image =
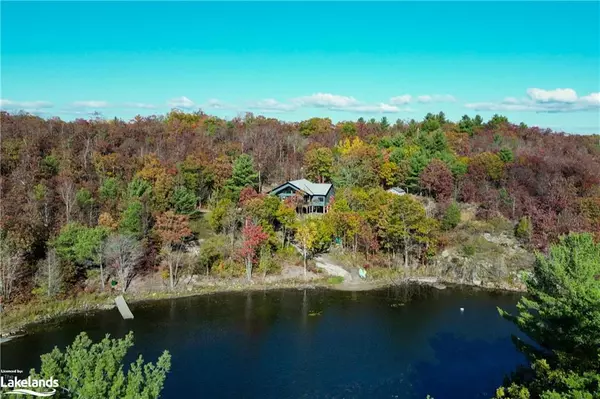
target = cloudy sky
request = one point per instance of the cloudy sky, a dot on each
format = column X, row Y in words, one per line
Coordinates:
column 535, row 62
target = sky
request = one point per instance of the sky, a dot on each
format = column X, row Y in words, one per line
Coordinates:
column 535, row 62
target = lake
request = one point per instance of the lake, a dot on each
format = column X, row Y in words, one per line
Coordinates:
column 389, row 343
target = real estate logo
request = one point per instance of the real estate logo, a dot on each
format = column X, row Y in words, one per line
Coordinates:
column 20, row 386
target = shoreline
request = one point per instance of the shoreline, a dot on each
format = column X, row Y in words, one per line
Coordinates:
column 105, row 301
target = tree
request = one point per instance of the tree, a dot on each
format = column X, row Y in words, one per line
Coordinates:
column 11, row 263
column 254, row 237
column 224, row 218
column 131, row 219
column 305, row 234
column 123, row 253
column 286, row 216
column 315, row 126
column 506, row 155
column 49, row 275
column 85, row 202
column 357, row 165
column 406, row 227
column 384, row 124
column 313, row 234
column 561, row 314
column 486, row 165
column 451, row 217
column 184, row 200
column 66, row 190
column 389, row 173
column 172, row 229
column 213, row 250
column 437, row 179
column 243, row 175
column 318, row 164
column 96, row 370
column 81, row 246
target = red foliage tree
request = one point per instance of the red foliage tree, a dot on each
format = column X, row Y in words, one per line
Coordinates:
column 247, row 194
column 254, row 238
column 437, row 179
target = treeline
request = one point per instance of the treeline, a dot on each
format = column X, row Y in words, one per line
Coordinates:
column 91, row 193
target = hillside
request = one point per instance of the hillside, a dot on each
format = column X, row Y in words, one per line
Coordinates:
column 99, row 179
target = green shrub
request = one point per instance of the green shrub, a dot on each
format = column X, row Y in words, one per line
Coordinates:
column 335, row 280
column 451, row 217
column 212, row 251
column 228, row 268
column 468, row 249
column 524, row 229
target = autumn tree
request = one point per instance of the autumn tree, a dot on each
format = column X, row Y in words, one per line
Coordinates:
column 253, row 238
column 407, row 228
column 318, row 164
column 172, row 229
column 389, row 174
column 437, row 179
column 313, row 235
column 286, row 217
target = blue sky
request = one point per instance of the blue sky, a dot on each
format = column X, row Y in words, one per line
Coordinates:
column 537, row 62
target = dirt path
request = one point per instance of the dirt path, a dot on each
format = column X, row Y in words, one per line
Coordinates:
column 352, row 281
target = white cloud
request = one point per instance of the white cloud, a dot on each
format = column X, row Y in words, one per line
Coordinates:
column 181, row 102
column 592, row 98
column 436, row 98
column 326, row 100
column 401, row 100
column 9, row 104
column 139, row 105
column 218, row 104
column 336, row 102
column 556, row 95
column 90, row 104
column 544, row 101
column 380, row 108
column 272, row 105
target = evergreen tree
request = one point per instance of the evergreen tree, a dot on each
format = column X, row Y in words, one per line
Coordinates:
column 96, row 370
column 243, row 175
column 183, row 200
column 451, row 217
column 561, row 314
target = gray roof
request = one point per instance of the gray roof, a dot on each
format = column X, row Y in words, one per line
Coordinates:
column 396, row 190
column 310, row 187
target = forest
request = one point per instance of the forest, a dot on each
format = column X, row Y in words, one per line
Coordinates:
column 107, row 200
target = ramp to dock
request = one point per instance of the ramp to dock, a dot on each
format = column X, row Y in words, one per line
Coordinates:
column 123, row 308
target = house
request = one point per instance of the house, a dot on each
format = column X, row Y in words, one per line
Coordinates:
column 314, row 197
column 396, row 191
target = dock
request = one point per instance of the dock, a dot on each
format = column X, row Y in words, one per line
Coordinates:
column 123, row 308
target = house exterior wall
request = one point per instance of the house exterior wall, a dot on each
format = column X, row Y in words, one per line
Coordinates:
column 330, row 194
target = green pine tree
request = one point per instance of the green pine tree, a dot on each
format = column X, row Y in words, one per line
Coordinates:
column 96, row 370
column 243, row 175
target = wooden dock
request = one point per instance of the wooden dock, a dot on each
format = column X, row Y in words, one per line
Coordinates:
column 123, row 308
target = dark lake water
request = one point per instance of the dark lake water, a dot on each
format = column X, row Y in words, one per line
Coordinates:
column 390, row 343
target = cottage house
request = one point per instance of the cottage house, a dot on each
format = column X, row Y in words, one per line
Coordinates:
column 315, row 197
